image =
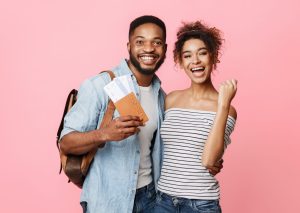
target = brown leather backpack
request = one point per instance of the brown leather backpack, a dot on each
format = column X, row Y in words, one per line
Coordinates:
column 76, row 166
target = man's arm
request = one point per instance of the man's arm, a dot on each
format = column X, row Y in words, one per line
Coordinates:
column 82, row 142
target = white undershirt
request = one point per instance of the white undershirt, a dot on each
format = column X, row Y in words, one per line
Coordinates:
column 146, row 134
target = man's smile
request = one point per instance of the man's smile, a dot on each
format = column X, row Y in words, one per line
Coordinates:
column 148, row 59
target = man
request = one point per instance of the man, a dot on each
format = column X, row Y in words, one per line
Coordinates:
column 123, row 173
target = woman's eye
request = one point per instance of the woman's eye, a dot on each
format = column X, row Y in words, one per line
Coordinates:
column 186, row 56
column 203, row 53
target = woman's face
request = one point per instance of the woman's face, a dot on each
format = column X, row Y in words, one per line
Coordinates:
column 195, row 60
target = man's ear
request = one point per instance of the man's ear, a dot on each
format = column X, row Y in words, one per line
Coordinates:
column 165, row 50
column 128, row 46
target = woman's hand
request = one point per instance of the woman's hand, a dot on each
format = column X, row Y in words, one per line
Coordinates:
column 227, row 92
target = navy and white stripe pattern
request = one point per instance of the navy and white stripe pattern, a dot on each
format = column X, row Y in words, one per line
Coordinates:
column 184, row 132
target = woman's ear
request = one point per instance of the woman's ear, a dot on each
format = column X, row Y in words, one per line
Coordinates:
column 179, row 63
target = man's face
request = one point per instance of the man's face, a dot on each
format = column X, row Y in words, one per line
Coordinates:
column 147, row 48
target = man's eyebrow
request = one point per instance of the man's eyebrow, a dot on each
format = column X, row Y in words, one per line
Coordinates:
column 159, row 38
column 138, row 37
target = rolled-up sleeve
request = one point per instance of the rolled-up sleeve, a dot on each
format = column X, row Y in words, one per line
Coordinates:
column 84, row 115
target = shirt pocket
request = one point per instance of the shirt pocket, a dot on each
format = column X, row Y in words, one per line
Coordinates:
column 118, row 144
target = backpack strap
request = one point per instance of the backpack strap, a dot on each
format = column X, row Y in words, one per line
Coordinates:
column 72, row 98
column 110, row 106
column 88, row 158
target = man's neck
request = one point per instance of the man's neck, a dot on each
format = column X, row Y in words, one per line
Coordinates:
column 143, row 80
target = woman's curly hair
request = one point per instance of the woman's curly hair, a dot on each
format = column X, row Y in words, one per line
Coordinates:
column 211, row 37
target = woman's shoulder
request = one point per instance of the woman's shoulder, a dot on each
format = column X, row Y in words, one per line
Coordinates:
column 174, row 94
column 173, row 97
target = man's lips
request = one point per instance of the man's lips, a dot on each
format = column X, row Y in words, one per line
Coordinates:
column 148, row 59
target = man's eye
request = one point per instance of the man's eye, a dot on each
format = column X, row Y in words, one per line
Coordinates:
column 157, row 43
column 139, row 42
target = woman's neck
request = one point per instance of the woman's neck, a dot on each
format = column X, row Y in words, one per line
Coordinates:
column 204, row 90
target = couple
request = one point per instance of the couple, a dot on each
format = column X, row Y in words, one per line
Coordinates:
column 167, row 164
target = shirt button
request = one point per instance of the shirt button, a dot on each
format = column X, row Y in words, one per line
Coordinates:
column 135, row 172
column 133, row 191
column 137, row 94
column 138, row 151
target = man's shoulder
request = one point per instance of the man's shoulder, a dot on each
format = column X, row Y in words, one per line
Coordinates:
column 99, row 79
column 103, row 74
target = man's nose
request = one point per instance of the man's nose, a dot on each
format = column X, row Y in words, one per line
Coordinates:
column 148, row 47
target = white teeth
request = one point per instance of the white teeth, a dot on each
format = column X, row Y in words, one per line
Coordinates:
column 198, row 69
column 147, row 58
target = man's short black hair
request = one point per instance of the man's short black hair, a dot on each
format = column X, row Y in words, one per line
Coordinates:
column 147, row 19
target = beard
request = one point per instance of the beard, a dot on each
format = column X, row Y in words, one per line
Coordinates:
column 143, row 71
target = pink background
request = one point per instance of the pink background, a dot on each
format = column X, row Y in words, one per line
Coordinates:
column 49, row 47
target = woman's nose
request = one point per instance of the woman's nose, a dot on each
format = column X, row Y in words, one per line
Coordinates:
column 196, row 60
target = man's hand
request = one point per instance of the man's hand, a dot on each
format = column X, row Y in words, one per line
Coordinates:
column 216, row 168
column 121, row 128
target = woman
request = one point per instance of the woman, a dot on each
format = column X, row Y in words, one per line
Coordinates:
column 198, row 123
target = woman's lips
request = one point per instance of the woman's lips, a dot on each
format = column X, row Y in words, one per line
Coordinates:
column 198, row 71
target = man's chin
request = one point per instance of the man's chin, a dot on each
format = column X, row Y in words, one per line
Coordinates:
column 146, row 71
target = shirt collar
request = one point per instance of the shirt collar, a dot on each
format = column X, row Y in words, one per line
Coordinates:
column 125, row 70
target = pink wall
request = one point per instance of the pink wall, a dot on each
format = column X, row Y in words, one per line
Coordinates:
column 49, row 47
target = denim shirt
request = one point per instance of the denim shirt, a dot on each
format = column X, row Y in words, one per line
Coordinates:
column 110, row 185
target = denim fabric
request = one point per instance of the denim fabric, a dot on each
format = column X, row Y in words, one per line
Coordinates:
column 84, row 206
column 168, row 204
column 110, row 185
column 145, row 199
column 143, row 203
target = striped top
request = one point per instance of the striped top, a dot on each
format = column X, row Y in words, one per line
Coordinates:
column 184, row 132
